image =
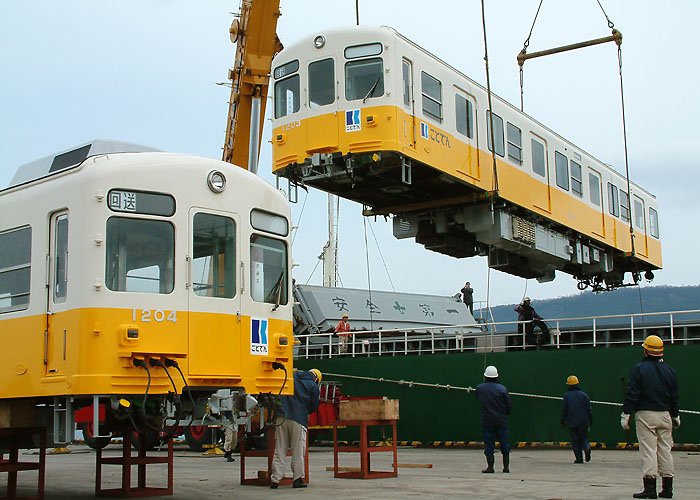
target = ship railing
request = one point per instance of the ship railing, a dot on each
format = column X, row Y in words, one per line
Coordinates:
column 576, row 332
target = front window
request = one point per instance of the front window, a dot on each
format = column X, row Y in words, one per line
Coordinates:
column 364, row 79
column 214, row 259
column 15, row 269
column 140, row 255
column 287, row 96
column 432, row 96
column 268, row 270
column 321, row 83
column 561, row 165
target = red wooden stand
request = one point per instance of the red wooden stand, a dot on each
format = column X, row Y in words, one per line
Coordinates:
column 263, row 478
column 12, row 466
column 364, row 449
column 126, row 461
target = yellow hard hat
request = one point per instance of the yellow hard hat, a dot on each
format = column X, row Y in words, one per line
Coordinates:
column 317, row 374
column 654, row 345
column 345, row 316
column 572, row 380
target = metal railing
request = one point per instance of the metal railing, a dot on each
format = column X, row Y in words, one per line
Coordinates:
column 572, row 333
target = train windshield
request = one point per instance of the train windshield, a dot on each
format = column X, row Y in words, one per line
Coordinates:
column 140, row 255
column 287, row 96
column 364, row 79
column 268, row 270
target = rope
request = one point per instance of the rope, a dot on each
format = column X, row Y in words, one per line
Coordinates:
column 300, row 215
column 382, row 257
column 450, row 387
column 610, row 23
column 369, row 282
column 488, row 88
column 525, row 46
column 624, row 136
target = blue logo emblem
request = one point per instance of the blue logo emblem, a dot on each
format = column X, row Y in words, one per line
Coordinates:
column 352, row 120
column 258, row 336
column 424, row 130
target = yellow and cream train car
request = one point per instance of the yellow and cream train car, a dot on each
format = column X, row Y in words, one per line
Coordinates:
column 366, row 114
column 120, row 267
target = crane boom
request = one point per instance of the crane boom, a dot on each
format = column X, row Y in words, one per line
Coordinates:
column 254, row 33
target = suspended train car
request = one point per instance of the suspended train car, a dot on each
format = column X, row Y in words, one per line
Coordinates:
column 364, row 113
column 129, row 277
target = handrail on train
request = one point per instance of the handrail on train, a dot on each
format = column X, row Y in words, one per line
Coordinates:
column 484, row 336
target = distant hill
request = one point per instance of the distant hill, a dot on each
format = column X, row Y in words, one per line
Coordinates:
column 621, row 301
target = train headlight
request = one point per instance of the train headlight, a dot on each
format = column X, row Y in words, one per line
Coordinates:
column 216, row 181
column 319, row 41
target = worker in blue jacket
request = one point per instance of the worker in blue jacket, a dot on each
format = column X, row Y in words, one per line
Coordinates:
column 652, row 392
column 495, row 408
column 577, row 415
column 291, row 429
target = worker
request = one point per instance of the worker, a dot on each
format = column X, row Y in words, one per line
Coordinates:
column 577, row 415
column 495, row 408
column 527, row 313
column 652, row 392
column 343, row 331
column 468, row 297
column 291, row 427
column 228, row 436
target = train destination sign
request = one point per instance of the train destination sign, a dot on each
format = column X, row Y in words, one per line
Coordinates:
column 140, row 202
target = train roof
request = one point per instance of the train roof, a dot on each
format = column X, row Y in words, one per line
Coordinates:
column 72, row 158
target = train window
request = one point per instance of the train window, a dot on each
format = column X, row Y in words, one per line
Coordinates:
column 498, row 137
column 287, row 96
column 366, row 50
column 321, row 83
column 653, row 222
column 465, row 118
column 407, row 82
column 214, row 259
column 624, row 206
column 140, row 255
column 60, row 258
column 15, row 269
column 268, row 270
column 538, row 158
column 576, row 180
column 272, row 223
column 432, row 95
column 140, row 202
column 594, row 188
column 561, row 165
column 364, row 79
column 286, row 69
column 639, row 214
column 515, row 145
column 613, row 200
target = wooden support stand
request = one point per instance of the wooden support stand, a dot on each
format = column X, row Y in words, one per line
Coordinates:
column 126, row 461
column 12, row 466
column 263, row 477
column 364, row 448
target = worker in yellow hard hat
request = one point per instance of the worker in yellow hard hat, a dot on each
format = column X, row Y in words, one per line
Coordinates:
column 577, row 415
column 652, row 392
column 342, row 329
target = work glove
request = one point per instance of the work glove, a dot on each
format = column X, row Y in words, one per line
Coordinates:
column 676, row 422
column 625, row 421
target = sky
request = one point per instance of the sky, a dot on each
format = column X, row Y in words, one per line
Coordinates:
column 146, row 71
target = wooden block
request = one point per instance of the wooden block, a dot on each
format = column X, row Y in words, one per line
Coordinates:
column 369, row 409
column 18, row 413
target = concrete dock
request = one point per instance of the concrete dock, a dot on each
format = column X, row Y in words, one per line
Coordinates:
column 455, row 473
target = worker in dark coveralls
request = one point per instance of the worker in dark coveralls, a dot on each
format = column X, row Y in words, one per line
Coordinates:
column 652, row 392
column 468, row 297
column 577, row 415
column 495, row 408
column 291, row 428
column 527, row 313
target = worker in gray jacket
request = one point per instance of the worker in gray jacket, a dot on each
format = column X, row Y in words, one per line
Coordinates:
column 495, row 408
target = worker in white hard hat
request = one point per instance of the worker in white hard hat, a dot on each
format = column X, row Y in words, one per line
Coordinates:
column 577, row 415
column 652, row 392
column 495, row 408
column 531, row 320
column 291, row 429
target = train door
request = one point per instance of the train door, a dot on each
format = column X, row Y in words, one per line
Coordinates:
column 595, row 193
column 540, row 194
column 409, row 104
column 57, row 324
column 322, row 116
column 213, row 298
column 640, row 224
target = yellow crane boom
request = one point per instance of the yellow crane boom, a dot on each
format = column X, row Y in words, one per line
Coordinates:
column 254, row 33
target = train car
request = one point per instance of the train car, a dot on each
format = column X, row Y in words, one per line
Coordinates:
column 364, row 113
column 151, row 286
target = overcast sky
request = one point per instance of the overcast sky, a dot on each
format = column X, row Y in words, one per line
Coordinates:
column 145, row 71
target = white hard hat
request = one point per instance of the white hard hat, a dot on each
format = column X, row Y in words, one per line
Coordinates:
column 491, row 372
column 526, row 299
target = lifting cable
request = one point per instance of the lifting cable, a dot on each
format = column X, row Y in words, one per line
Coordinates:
column 370, row 306
column 469, row 389
column 488, row 90
column 381, row 255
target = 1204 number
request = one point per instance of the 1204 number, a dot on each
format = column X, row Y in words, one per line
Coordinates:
column 157, row 315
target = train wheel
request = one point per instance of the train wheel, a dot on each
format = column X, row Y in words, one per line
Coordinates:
column 197, row 436
column 151, row 438
column 90, row 440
